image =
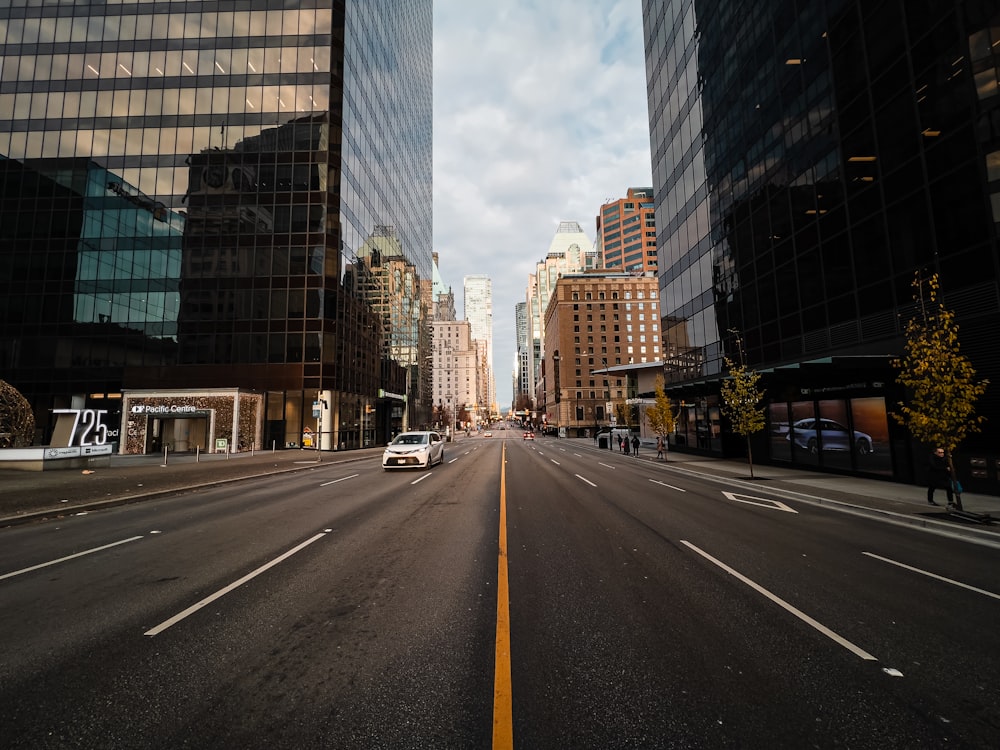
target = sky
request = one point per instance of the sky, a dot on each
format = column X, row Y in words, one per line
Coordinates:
column 539, row 117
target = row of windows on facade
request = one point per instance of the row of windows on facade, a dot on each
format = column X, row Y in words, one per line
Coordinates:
column 614, row 295
column 618, row 349
column 124, row 26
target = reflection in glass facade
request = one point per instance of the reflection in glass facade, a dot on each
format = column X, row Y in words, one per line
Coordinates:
column 807, row 160
column 186, row 186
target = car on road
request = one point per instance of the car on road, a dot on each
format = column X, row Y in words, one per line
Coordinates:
column 409, row 450
column 488, row 433
column 825, row 434
column 529, row 435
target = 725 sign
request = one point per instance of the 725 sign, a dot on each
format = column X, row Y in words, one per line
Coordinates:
column 88, row 427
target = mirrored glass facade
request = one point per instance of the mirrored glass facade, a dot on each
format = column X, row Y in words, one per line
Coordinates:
column 186, row 186
column 808, row 159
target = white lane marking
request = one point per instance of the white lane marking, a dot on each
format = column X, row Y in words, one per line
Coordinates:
column 933, row 575
column 578, row 455
column 421, row 478
column 453, row 460
column 236, row 584
column 339, row 480
column 763, row 502
column 664, row 484
column 555, row 462
column 585, row 480
column 563, row 450
column 609, row 466
column 856, row 650
column 69, row 557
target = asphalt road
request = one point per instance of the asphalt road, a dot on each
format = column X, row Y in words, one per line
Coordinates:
column 347, row 607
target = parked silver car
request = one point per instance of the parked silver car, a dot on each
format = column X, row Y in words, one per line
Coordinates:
column 816, row 434
column 414, row 450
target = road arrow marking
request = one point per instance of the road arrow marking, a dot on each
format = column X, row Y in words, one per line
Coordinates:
column 763, row 502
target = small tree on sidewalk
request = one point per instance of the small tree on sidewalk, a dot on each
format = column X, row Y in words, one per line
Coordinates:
column 940, row 380
column 660, row 415
column 740, row 399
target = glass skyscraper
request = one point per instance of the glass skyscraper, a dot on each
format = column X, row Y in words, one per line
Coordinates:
column 185, row 189
column 808, row 160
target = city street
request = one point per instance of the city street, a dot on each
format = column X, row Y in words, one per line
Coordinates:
column 343, row 606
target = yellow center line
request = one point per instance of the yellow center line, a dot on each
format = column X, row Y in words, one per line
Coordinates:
column 503, row 715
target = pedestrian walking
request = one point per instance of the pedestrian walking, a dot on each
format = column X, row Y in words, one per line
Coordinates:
column 621, row 441
column 635, row 446
column 938, row 476
column 659, row 446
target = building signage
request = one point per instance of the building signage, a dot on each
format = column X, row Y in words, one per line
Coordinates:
column 88, row 426
column 164, row 409
column 382, row 393
column 62, row 452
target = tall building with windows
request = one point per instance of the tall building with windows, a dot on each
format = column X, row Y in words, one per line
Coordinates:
column 808, row 162
column 478, row 307
column 196, row 196
column 571, row 251
column 596, row 321
column 626, row 232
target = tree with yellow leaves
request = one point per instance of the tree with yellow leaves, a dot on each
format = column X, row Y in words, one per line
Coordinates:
column 740, row 399
column 660, row 415
column 940, row 380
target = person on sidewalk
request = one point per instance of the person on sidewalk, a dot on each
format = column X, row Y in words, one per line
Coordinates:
column 635, row 446
column 659, row 446
column 938, row 476
column 621, row 443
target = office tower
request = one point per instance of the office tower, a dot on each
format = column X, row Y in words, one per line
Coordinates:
column 595, row 320
column 807, row 163
column 444, row 297
column 522, row 358
column 478, row 307
column 571, row 251
column 626, row 232
column 456, row 374
column 196, row 197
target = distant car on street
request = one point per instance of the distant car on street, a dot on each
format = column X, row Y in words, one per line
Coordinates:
column 529, row 435
column 825, row 434
column 488, row 433
column 414, row 450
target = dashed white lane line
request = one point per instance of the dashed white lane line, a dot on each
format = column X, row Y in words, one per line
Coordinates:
column 453, row 460
column 607, row 466
column 664, row 484
column 555, row 462
column 578, row 455
column 236, row 584
column 342, row 479
column 856, row 650
column 68, row 557
column 585, row 480
column 933, row 575
column 415, row 481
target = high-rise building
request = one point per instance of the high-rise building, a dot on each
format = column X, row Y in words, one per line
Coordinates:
column 808, row 162
column 456, row 373
column 571, row 251
column 522, row 358
column 594, row 321
column 196, row 200
column 626, row 232
column 478, row 307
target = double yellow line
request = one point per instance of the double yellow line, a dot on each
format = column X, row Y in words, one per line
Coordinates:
column 503, row 718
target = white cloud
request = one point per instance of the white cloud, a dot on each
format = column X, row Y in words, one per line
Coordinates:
column 539, row 117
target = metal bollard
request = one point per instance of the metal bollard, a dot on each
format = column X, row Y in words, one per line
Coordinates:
column 197, row 454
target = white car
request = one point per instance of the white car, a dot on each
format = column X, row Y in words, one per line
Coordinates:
column 414, row 449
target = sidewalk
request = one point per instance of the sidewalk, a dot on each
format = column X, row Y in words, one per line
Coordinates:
column 27, row 496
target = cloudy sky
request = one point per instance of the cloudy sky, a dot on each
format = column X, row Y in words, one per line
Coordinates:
column 539, row 117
